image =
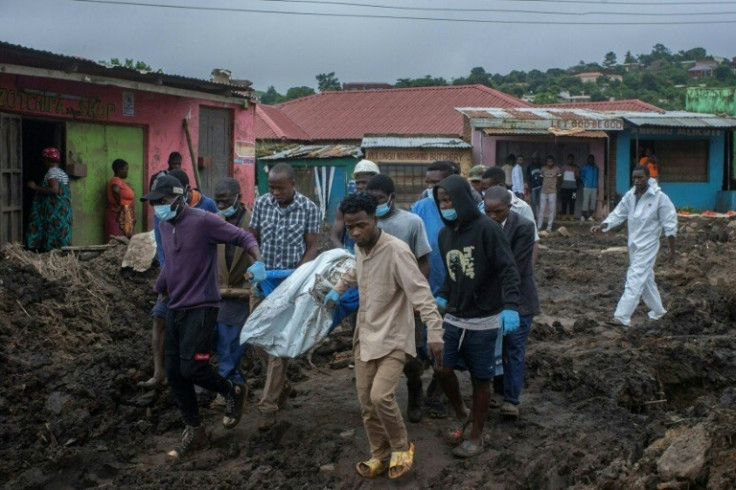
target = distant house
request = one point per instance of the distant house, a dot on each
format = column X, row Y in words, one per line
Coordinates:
column 703, row 68
column 593, row 76
column 366, row 86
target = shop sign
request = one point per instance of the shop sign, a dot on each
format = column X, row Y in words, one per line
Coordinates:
column 698, row 132
column 415, row 155
column 55, row 104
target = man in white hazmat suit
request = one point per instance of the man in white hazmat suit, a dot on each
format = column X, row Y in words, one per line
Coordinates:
column 647, row 211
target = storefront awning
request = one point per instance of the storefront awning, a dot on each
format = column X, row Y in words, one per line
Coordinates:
column 542, row 132
column 679, row 119
column 401, row 141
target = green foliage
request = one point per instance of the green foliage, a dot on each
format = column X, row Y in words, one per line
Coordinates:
column 427, row 81
column 609, row 61
column 130, row 63
column 328, row 81
column 271, row 96
column 297, row 92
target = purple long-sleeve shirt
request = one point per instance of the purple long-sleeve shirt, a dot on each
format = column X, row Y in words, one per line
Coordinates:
column 189, row 277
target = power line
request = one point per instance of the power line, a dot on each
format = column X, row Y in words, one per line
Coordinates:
column 619, row 2
column 501, row 10
column 397, row 17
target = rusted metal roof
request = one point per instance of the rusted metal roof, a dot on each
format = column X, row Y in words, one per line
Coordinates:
column 521, row 132
column 398, row 141
column 305, row 152
column 541, row 118
column 14, row 54
column 610, row 105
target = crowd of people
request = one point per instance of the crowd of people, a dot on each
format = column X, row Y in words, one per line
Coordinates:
column 447, row 286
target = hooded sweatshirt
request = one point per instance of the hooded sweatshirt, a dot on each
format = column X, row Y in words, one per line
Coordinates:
column 482, row 278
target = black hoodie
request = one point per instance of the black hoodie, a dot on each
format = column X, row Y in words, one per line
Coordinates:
column 482, row 278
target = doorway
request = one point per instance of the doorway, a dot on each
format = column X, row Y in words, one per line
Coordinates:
column 215, row 153
column 37, row 135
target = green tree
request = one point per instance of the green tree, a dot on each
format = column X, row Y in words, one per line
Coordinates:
column 723, row 73
column 271, row 96
column 629, row 58
column 298, row 92
column 328, row 81
column 609, row 61
column 426, row 81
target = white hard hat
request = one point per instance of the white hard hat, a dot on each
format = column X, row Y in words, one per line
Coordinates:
column 366, row 167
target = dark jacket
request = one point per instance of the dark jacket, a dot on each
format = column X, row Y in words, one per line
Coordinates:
column 520, row 233
column 482, row 278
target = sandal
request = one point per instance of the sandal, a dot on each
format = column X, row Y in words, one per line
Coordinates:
column 456, row 432
column 436, row 409
column 371, row 468
column 468, row 449
column 401, row 462
column 496, row 401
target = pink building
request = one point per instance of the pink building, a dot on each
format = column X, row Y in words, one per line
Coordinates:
column 95, row 114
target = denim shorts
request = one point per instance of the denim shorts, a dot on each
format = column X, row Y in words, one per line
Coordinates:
column 161, row 308
column 473, row 352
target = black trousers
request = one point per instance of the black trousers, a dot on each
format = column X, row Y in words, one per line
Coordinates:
column 187, row 358
column 568, row 197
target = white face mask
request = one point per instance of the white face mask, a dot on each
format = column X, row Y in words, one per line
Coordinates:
column 227, row 212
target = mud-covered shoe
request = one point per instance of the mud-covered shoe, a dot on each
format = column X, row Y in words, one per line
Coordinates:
column 192, row 438
column 266, row 420
column 508, row 409
column 233, row 406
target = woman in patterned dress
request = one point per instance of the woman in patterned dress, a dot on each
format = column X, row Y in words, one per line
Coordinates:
column 50, row 224
column 119, row 215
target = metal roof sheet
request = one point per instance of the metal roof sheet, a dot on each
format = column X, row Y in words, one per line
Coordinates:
column 610, row 105
column 397, row 141
column 351, row 114
column 542, row 118
column 304, row 152
column 675, row 119
column 21, row 55
column 543, row 132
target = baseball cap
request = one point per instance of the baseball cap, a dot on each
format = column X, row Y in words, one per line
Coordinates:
column 164, row 185
column 476, row 173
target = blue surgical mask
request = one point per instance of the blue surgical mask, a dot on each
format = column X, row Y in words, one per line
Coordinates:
column 164, row 211
column 226, row 213
column 383, row 209
column 449, row 214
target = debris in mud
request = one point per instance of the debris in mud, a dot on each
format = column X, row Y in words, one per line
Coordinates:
column 653, row 406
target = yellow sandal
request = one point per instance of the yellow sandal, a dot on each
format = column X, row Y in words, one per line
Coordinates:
column 371, row 468
column 401, row 462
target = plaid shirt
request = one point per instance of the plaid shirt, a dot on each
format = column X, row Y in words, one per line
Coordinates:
column 282, row 230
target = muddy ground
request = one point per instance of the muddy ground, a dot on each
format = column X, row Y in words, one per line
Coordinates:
column 650, row 407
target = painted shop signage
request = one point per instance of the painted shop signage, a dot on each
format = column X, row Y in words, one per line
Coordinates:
column 54, row 104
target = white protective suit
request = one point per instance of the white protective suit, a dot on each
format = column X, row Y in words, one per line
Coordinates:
column 646, row 219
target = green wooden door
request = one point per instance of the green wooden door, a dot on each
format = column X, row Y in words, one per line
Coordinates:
column 96, row 146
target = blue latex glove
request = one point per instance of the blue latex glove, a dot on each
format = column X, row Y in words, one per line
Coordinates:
column 441, row 303
column 258, row 270
column 333, row 297
column 509, row 321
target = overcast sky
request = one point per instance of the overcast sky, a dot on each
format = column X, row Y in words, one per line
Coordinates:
column 288, row 50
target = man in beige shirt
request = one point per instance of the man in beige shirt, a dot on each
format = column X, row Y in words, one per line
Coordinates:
column 391, row 286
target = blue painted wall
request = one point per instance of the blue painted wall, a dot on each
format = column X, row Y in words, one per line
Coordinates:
column 699, row 195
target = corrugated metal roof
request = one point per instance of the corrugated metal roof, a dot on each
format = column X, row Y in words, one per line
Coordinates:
column 21, row 55
column 394, row 141
column 610, row 105
column 304, row 152
column 542, row 118
column 349, row 115
column 272, row 124
column 545, row 132
column 677, row 119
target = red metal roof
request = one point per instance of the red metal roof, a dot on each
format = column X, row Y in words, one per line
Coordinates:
column 272, row 124
column 635, row 105
column 348, row 115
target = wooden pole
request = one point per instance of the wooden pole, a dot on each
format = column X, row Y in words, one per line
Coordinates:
column 195, row 166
